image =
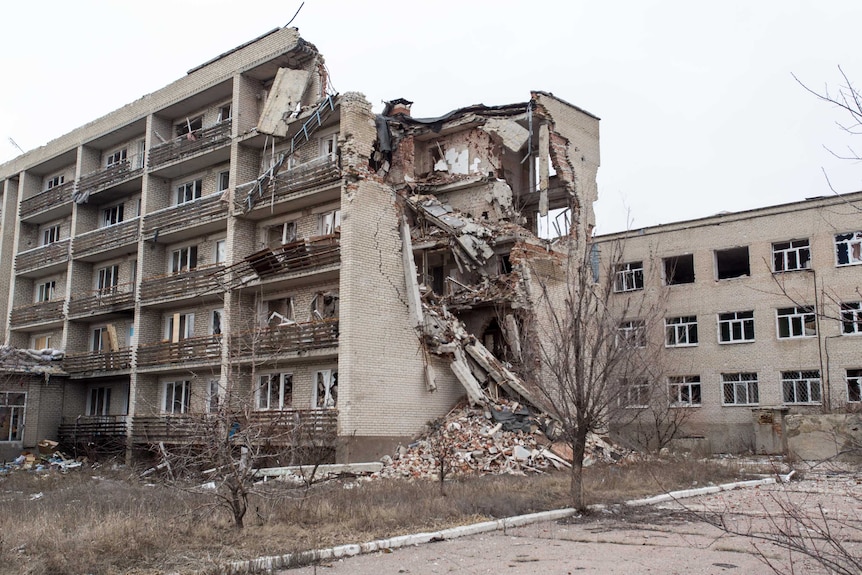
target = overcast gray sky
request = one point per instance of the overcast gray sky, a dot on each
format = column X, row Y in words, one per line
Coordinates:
column 700, row 113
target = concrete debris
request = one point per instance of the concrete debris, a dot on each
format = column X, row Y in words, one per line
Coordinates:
column 47, row 459
column 471, row 441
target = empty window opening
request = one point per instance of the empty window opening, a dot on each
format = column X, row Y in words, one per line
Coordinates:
column 224, row 113
column 324, row 306
column 325, row 388
column 279, row 234
column 215, row 321
column 680, row 331
column 223, row 181
column 801, row 386
column 851, row 318
column 792, row 255
column 555, row 225
column 504, row 264
column 275, row 391
column 177, row 396
column 12, row 408
column 678, row 270
column 739, row 389
column 854, row 385
column 732, row 263
column 189, row 126
column 848, row 249
column 796, row 322
column 684, row 390
column 495, row 342
column 737, row 326
column 629, row 277
column 279, row 312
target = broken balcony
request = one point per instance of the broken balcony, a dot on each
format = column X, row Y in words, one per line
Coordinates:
column 299, row 256
column 183, row 216
column 104, row 178
column 96, row 362
column 307, row 176
column 55, row 199
column 41, row 312
column 191, row 283
column 55, row 254
column 205, row 349
column 107, row 239
column 292, row 338
column 106, row 300
column 303, row 427
column 102, row 432
column 495, row 291
column 193, row 143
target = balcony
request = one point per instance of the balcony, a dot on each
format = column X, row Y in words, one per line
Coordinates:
column 298, row 256
column 286, row 339
column 193, row 283
column 107, row 300
column 53, row 255
column 44, row 311
column 191, row 350
column 54, row 199
column 317, row 172
column 95, row 362
column 106, row 240
column 184, row 216
column 107, row 177
column 304, row 427
column 190, row 144
column 94, row 432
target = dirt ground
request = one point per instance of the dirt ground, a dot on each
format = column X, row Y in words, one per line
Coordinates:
column 668, row 538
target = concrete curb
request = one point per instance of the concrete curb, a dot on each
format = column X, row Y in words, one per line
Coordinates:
column 307, row 557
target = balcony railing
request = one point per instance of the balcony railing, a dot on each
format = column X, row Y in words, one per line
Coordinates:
column 193, row 349
column 196, row 282
column 43, row 256
column 200, row 211
column 311, row 174
column 286, row 339
column 107, row 177
column 107, row 238
column 103, row 432
column 36, row 313
column 97, row 361
column 56, row 196
column 105, row 300
column 318, row 427
column 296, row 256
column 190, row 144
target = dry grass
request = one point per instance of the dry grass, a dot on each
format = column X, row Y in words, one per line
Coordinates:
column 105, row 522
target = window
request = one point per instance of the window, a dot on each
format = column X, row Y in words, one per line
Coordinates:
column 801, row 386
column 42, row 341
column 213, row 396
column 215, row 321
column 55, row 181
column 629, row 277
column 220, row 251
column 279, row 234
column 224, row 113
column 792, row 255
column 116, row 158
column 635, row 394
column 854, row 385
column 796, row 322
column 108, row 279
column 139, row 157
column 851, row 318
column 678, row 270
column 735, row 327
column 732, row 263
column 324, row 305
column 189, row 192
column 278, row 312
column 112, row 215
column 848, row 249
column 631, row 334
column 739, row 389
column 184, row 259
column 189, row 126
column 275, row 391
column 181, row 326
column 223, row 181
column 680, row 331
column 684, row 390
column 45, row 291
column 177, row 397
column 329, row 145
column 99, row 341
column 51, row 234
column 325, row 388
column 99, row 401
column 329, row 222
column 12, row 407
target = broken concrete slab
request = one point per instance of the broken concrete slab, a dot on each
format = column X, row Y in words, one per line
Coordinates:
column 283, row 100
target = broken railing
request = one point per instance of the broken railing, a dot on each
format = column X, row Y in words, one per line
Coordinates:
column 290, row 338
column 314, row 173
column 107, row 177
column 200, row 211
column 196, row 282
column 95, row 361
column 43, row 256
column 52, row 198
column 189, row 144
column 295, row 256
column 107, row 238
column 193, row 349
column 102, row 431
column 104, row 300
column 37, row 312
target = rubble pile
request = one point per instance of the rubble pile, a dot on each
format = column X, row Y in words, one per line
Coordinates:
column 46, row 459
column 502, row 439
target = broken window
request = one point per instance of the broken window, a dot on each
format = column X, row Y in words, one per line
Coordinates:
column 278, row 312
column 116, row 158
column 177, row 395
column 215, row 321
column 188, row 126
column 107, row 279
column 328, row 145
column 801, row 386
column 189, row 192
column 504, row 264
column 684, row 390
column 851, row 318
column 50, row 234
column 329, row 222
column 732, row 263
column 631, row 334
column 99, row 339
column 279, row 234
column 325, row 388
column 848, row 248
column 223, row 181
column 184, row 259
column 555, row 225
column 792, row 255
column 324, row 306
column 739, row 389
column 55, row 181
column 275, row 391
column 629, row 277
column 635, row 394
column 678, row 270
column 797, row 321
column 45, row 291
column 99, row 401
column 112, row 215
column 854, row 385
column 224, row 113
column 180, row 326
column 680, row 331
column 437, row 279
column 220, row 251
column 735, row 327
column 41, row 341
column 213, row 394
column 12, row 408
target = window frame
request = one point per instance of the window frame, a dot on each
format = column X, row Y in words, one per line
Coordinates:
column 55, row 181
column 853, row 378
column 186, row 329
column 797, row 377
column 284, row 399
column 99, row 400
column 791, row 255
column 850, row 240
column 738, row 382
column 636, row 394
column 223, row 181
column 116, row 157
column 329, row 222
column 46, row 291
column 108, row 279
column 189, row 125
column 793, row 318
column 184, row 385
column 731, row 322
column 851, row 316
column 14, row 410
column 632, row 334
column 188, row 192
column 682, row 386
column 183, row 259
column 629, row 277
column 328, row 378
column 687, row 325
column 50, row 234
column 112, row 215
column 34, row 340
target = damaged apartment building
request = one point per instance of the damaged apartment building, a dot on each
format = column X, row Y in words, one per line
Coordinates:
column 245, row 234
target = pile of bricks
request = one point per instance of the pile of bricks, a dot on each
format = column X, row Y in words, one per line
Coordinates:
column 472, row 441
